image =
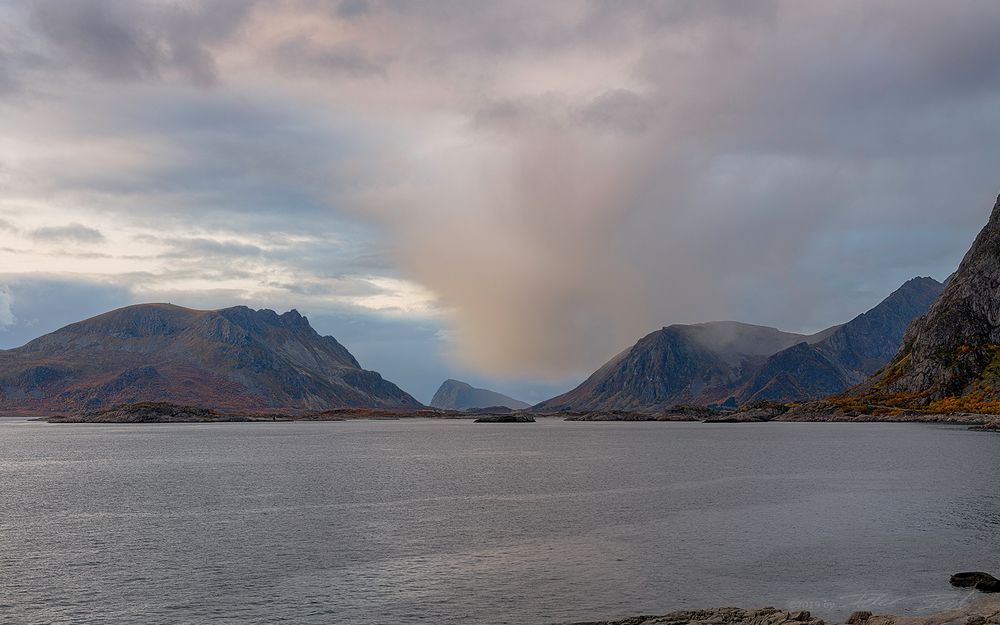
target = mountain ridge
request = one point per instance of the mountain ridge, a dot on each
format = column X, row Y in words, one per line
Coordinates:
column 697, row 363
column 848, row 355
column 732, row 363
column 231, row 358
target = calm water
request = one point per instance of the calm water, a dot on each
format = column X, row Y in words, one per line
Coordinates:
column 451, row 522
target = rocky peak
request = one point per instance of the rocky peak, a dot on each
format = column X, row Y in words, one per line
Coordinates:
column 294, row 319
column 953, row 349
column 457, row 395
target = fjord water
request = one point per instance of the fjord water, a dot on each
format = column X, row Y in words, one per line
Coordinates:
column 450, row 522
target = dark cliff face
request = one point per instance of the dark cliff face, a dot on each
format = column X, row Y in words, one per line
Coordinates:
column 953, row 350
column 234, row 359
column 667, row 367
column 723, row 362
column 798, row 372
column 456, row 395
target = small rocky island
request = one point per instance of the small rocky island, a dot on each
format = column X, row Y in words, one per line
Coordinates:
column 153, row 412
column 505, row 418
column 167, row 412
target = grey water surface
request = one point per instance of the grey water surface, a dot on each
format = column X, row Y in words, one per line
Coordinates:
column 450, row 522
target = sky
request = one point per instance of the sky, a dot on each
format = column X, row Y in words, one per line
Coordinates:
column 507, row 193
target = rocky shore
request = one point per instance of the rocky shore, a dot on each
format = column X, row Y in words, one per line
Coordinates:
column 822, row 410
column 992, row 426
column 984, row 611
column 675, row 413
column 818, row 411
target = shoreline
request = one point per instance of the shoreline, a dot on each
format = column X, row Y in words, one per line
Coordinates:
column 971, row 423
column 166, row 412
column 983, row 611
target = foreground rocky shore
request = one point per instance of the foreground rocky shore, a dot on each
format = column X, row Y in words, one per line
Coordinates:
column 984, row 611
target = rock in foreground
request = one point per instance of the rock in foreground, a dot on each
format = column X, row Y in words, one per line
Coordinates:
column 983, row 582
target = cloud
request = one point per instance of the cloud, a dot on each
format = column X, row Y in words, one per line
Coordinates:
column 410, row 352
column 350, row 9
column 739, row 145
column 8, row 83
column 617, row 109
column 526, row 260
column 102, row 38
column 7, row 317
column 72, row 233
column 309, row 57
column 551, row 180
column 201, row 247
column 27, row 310
column 120, row 40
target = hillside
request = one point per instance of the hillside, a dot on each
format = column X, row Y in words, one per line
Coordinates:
column 456, row 395
column 228, row 359
column 848, row 356
column 950, row 358
column 734, row 363
column 680, row 364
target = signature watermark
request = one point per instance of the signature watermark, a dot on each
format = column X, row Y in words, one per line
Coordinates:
column 887, row 601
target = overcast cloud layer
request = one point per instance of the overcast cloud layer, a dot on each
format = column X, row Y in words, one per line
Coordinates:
column 512, row 190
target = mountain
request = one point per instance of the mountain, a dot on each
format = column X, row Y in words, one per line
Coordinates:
column 455, row 395
column 734, row 363
column 950, row 358
column 680, row 364
column 848, row 355
column 230, row 359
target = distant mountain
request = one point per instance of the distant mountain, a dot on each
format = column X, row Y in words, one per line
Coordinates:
column 679, row 364
column 455, row 395
column 229, row 359
column 950, row 358
column 734, row 363
column 848, row 356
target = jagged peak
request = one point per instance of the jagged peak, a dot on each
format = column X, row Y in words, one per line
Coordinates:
column 946, row 352
column 164, row 318
column 918, row 280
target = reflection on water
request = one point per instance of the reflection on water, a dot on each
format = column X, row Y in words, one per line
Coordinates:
column 451, row 522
